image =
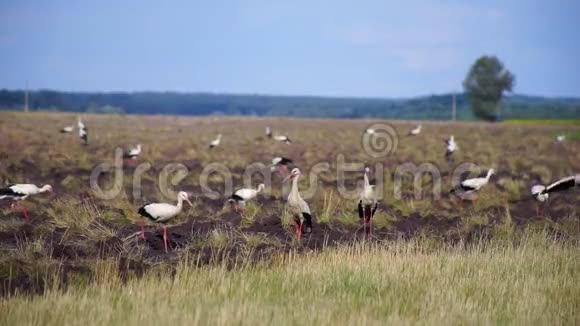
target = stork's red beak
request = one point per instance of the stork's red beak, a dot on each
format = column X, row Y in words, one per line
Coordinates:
column 289, row 177
column 190, row 204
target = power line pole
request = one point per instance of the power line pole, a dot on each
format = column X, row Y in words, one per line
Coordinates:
column 453, row 107
column 26, row 98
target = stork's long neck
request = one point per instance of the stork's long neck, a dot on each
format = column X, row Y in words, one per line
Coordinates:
column 366, row 180
column 179, row 204
column 43, row 189
column 488, row 176
column 294, row 191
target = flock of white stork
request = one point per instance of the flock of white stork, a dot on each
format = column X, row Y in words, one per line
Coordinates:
column 161, row 213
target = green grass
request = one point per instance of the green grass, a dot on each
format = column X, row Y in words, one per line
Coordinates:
column 532, row 282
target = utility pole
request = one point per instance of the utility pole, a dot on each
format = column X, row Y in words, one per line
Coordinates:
column 453, row 107
column 26, row 98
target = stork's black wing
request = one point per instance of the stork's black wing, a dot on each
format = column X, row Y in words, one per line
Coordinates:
column 285, row 161
column 561, row 185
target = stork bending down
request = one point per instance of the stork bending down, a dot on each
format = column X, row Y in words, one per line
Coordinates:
column 19, row 192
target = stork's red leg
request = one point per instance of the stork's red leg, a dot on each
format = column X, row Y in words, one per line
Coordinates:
column 300, row 231
column 296, row 229
column 364, row 220
column 165, row 237
column 371, row 225
column 537, row 210
column 24, row 211
column 460, row 201
column 142, row 223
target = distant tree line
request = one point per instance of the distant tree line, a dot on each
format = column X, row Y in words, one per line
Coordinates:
column 434, row 107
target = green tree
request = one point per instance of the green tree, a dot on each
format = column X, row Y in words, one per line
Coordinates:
column 485, row 84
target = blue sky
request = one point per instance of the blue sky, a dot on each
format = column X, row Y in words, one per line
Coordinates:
column 336, row 48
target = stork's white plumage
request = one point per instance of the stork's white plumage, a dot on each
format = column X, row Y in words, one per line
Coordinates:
column 268, row 132
column 367, row 204
column 19, row 192
column 471, row 186
column 280, row 164
column 283, row 139
column 241, row 196
column 67, row 129
column 415, row 131
column 298, row 208
column 216, row 142
column 80, row 124
column 133, row 153
column 84, row 136
column 560, row 138
column 451, row 147
column 162, row 213
column 542, row 193
column 370, row 131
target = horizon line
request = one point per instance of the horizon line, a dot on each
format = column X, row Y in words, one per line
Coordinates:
column 225, row 93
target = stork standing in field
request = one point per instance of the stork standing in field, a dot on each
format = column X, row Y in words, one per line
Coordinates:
column 541, row 193
column 451, row 147
column 67, row 129
column 240, row 197
column 282, row 139
column 370, row 131
column 216, row 142
column 83, row 132
column 268, row 132
column 472, row 186
column 367, row 204
column 19, row 192
column 80, row 123
column 161, row 213
column 84, row 136
column 415, row 131
column 298, row 207
column 280, row 165
column 132, row 154
column 560, row 138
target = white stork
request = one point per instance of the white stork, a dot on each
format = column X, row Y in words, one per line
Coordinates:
column 67, row 129
column 560, row 138
column 133, row 153
column 415, row 131
column 370, row 131
column 472, row 186
column 268, row 132
column 367, row 204
column 84, row 136
column 541, row 193
column 280, row 165
column 241, row 196
column 216, row 142
column 19, row 192
column 161, row 213
column 282, row 139
column 298, row 207
column 80, row 123
column 451, row 147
